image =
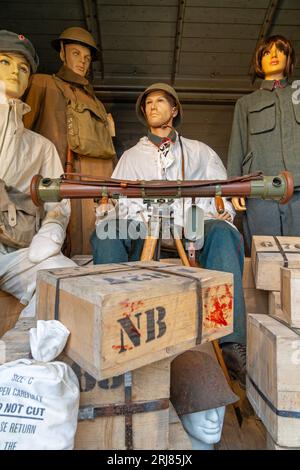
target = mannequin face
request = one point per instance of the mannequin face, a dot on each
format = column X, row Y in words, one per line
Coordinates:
column 273, row 63
column 159, row 111
column 205, row 426
column 14, row 74
column 77, row 58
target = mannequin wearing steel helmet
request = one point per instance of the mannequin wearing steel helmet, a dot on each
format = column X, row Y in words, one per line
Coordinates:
column 23, row 154
column 199, row 393
column 47, row 96
column 165, row 155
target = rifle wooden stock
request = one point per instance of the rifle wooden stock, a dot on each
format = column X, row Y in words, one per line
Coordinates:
column 77, row 186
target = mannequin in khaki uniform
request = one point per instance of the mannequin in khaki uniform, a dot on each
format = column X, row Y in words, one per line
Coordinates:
column 48, row 117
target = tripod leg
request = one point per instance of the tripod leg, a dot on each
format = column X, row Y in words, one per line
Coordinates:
column 215, row 343
column 148, row 249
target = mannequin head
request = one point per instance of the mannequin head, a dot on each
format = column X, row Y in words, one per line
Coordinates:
column 77, row 49
column 204, row 427
column 274, row 58
column 199, row 394
column 18, row 60
column 159, row 108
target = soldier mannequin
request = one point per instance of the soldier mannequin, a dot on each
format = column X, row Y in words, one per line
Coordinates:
column 199, row 393
column 22, row 154
column 47, row 98
column 266, row 136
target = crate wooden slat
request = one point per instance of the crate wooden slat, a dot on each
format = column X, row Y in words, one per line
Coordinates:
column 273, row 381
column 267, row 259
column 10, row 309
column 275, row 304
column 130, row 316
column 15, row 343
column 290, row 294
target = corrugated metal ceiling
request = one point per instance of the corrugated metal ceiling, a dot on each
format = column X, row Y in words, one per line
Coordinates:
column 202, row 46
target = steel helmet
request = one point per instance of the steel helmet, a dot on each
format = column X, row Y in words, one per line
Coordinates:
column 198, row 383
column 76, row 35
column 157, row 87
column 12, row 42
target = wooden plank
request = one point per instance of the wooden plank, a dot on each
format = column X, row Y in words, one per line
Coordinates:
column 27, row 25
column 290, row 296
column 10, row 309
column 256, row 301
column 273, row 366
column 207, row 30
column 137, row 28
column 124, row 57
column 138, row 13
column 45, row 11
column 223, row 45
column 275, row 304
column 228, row 3
column 288, row 17
column 137, row 43
column 224, row 15
column 121, row 320
column 131, row 3
column 267, row 260
column 190, row 58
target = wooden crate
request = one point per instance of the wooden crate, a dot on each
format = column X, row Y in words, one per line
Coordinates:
column 10, row 309
column 256, row 300
column 150, row 383
column 273, row 380
column 15, row 343
column 275, row 304
column 124, row 316
column 272, row 445
column 267, row 259
column 150, row 388
column 290, row 295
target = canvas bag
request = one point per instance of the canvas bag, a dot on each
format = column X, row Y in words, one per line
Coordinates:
column 39, row 400
column 88, row 131
column 19, row 217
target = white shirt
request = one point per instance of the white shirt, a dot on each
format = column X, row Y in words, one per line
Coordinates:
column 144, row 162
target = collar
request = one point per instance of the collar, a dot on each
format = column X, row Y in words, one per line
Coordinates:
column 66, row 74
column 156, row 140
column 270, row 85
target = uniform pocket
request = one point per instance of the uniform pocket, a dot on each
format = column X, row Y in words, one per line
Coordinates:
column 262, row 118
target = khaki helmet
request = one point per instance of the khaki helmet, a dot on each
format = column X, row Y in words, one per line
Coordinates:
column 157, row 87
column 76, row 35
column 198, row 383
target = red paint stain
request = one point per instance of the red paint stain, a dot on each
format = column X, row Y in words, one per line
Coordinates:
column 128, row 348
column 217, row 315
column 132, row 306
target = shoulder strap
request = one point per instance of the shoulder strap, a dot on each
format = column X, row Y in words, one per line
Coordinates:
column 63, row 87
column 182, row 158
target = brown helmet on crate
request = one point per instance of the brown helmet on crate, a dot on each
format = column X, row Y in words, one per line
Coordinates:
column 140, row 103
column 76, row 35
column 198, row 384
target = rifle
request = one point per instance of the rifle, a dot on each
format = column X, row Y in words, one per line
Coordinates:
column 78, row 186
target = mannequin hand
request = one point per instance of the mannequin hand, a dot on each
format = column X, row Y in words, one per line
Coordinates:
column 224, row 216
column 239, row 203
column 47, row 242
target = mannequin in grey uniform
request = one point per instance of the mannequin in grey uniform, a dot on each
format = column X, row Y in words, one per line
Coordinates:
column 199, row 394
